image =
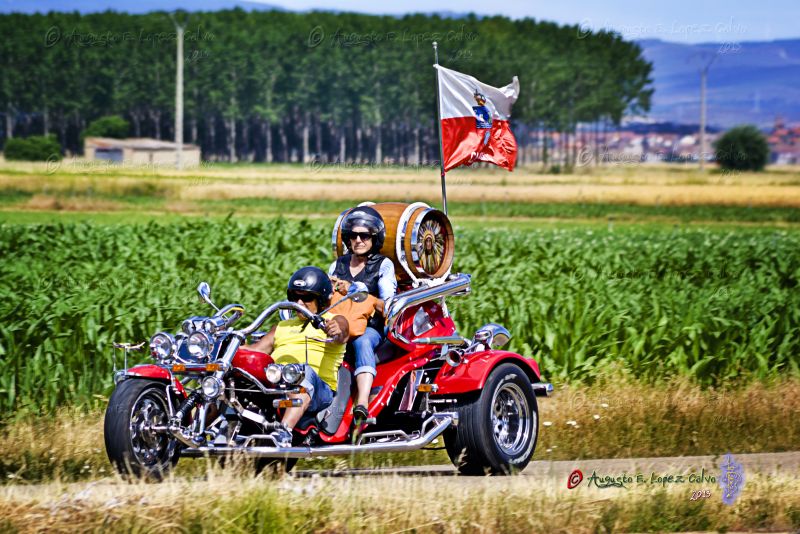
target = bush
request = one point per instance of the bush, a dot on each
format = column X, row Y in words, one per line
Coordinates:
column 33, row 148
column 743, row 148
column 112, row 126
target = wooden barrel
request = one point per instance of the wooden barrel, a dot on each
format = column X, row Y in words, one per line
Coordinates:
column 419, row 239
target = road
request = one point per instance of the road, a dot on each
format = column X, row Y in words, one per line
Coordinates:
column 782, row 463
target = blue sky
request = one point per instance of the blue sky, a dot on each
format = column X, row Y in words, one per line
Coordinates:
column 687, row 21
column 683, row 21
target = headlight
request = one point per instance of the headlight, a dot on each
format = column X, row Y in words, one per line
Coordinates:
column 293, row 373
column 212, row 387
column 162, row 346
column 199, row 345
column 273, row 372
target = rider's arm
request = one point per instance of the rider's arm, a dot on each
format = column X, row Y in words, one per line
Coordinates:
column 387, row 283
column 266, row 344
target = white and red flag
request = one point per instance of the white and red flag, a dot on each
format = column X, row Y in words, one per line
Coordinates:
column 474, row 119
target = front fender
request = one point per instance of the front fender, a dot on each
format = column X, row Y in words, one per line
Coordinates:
column 157, row 373
column 471, row 375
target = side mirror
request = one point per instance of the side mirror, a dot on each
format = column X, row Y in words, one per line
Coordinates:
column 204, row 290
column 358, row 292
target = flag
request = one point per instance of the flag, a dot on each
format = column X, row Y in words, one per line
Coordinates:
column 474, row 120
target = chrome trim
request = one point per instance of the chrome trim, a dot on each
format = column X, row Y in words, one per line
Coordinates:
column 492, row 335
column 543, row 389
column 460, row 284
column 438, row 423
column 400, row 253
column 442, row 340
column 512, row 420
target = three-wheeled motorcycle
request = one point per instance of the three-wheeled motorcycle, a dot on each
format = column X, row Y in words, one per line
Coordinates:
column 206, row 396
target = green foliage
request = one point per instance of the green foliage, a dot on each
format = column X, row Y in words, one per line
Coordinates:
column 33, row 148
column 355, row 81
column 743, row 148
column 112, row 126
column 661, row 303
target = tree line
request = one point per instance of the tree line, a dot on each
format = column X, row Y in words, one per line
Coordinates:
column 282, row 86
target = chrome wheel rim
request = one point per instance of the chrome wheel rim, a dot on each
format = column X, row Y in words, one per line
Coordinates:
column 512, row 419
column 149, row 447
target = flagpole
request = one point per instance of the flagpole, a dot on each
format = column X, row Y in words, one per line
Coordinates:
column 439, row 124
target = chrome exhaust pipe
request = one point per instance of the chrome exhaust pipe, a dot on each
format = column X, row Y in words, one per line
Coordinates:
column 440, row 421
column 542, row 389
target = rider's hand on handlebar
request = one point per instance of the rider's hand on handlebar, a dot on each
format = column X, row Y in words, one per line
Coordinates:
column 333, row 329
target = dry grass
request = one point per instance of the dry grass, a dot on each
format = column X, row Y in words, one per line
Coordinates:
column 230, row 502
column 639, row 184
column 634, row 420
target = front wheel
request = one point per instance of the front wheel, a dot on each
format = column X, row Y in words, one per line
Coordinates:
column 132, row 444
column 497, row 431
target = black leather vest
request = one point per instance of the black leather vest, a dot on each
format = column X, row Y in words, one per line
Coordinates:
column 368, row 276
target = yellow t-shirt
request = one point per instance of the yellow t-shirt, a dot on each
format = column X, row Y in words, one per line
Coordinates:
column 290, row 347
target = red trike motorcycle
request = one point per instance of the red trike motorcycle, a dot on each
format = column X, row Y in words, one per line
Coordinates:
column 204, row 396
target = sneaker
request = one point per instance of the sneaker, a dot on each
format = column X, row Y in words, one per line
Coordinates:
column 283, row 438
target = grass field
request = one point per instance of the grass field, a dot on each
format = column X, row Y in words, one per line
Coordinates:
column 659, row 299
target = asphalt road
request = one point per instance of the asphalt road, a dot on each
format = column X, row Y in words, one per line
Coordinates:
column 781, row 463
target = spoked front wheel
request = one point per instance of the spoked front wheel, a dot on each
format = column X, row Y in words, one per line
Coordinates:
column 135, row 441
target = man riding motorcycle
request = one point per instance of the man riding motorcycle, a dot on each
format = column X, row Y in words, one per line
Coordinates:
column 290, row 340
column 364, row 232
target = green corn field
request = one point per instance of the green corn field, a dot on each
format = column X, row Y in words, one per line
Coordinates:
column 712, row 304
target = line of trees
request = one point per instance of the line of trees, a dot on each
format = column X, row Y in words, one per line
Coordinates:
column 283, row 86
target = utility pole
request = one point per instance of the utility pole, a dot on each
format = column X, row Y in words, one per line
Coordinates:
column 703, row 79
column 179, row 31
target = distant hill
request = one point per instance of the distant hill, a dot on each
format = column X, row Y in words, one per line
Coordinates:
column 747, row 82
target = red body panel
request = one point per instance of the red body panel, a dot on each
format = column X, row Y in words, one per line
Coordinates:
column 253, row 362
column 472, row 373
column 442, row 326
column 159, row 373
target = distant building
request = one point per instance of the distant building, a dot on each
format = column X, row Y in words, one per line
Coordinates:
column 784, row 144
column 139, row 151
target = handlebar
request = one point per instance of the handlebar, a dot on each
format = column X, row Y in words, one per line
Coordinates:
column 315, row 319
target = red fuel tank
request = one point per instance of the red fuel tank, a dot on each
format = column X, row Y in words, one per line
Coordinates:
column 253, row 362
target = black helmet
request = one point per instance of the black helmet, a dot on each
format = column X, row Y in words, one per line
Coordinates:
column 370, row 219
column 311, row 280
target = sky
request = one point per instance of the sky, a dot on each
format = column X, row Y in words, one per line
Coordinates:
column 684, row 21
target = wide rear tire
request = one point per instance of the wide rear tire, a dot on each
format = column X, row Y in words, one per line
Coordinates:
column 133, row 448
column 498, row 430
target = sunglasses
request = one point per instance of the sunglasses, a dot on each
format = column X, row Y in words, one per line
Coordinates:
column 294, row 296
column 363, row 235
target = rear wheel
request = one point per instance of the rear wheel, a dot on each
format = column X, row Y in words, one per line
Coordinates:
column 497, row 431
column 133, row 444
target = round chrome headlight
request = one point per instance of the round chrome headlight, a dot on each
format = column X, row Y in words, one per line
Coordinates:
column 273, row 372
column 212, row 387
column 293, row 373
column 199, row 345
column 162, row 346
